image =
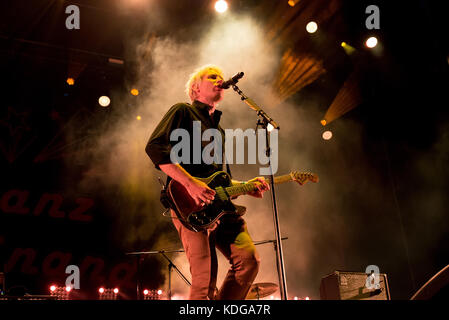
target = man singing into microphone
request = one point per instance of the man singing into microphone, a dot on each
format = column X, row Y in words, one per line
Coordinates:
column 230, row 234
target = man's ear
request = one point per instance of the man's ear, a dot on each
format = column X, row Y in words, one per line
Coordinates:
column 196, row 88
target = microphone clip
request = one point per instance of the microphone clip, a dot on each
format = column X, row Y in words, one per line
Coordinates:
column 232, row 81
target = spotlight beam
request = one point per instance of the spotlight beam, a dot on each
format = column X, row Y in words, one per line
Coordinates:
column 347, row 98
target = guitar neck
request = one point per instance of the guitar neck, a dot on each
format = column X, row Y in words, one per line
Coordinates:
column 245, row 188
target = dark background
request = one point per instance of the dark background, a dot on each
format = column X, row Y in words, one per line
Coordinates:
column 403, row 113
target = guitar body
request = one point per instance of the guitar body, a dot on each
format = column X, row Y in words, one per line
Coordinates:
column 197, row 217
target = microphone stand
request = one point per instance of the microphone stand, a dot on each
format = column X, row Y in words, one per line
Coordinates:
column 171, row 265
column 263, row 122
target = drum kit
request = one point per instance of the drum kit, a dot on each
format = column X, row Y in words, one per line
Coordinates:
column 261, row 290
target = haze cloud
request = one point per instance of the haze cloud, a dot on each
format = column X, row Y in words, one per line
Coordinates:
column 314, row 217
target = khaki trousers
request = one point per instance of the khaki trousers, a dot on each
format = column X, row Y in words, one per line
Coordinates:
column 231, row 237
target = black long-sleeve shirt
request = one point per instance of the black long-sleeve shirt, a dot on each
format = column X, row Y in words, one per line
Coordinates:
column 181, row 116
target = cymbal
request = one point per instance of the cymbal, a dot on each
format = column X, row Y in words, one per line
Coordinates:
column 261, row 290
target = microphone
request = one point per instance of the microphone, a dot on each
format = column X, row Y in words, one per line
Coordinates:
column 232, row 81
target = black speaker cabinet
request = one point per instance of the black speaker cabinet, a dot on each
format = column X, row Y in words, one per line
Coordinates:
column 343, row 285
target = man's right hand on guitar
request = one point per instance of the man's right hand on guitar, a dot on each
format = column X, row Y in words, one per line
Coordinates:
column 200, row 192
column 197, row 189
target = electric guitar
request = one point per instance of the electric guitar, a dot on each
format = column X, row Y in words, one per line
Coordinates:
column 199, row 217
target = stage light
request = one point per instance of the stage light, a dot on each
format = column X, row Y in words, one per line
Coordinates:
column 138, row 117
column 70, row 81
column 311, row 27
column 348, row 49
column 108, row 294
column 270, row 127
column 104, row 101
column 323, row 122
column 60, row 293
column 134, row 92
column 152, row 294
column 371, row 42
column 292, row 3
column 295, row 298
column 327, row 135
column 307, row 298
column 221, row 6
column 347, row 98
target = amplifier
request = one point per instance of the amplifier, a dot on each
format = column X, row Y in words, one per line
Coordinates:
column 343, row 285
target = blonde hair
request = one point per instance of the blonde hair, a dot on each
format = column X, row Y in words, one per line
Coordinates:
column 196, row 77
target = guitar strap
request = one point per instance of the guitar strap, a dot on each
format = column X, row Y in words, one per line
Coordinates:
column 165, row 200
column 228, row 170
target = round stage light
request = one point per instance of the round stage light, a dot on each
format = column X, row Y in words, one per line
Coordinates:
column 139, row 118
column 115, row 290
column 221, row 6
column 323, row 122
column 371, row 42
column 70, row 81
column 327, row 135
column 104, row 101
column 159, row 292
column 52, row 288
column 134, row 92
column 101, row 290
column 292, row 3
column 68, row 289
column 145, row 292
column 311, row 27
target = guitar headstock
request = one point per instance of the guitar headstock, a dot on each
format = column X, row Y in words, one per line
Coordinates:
column 303, row 177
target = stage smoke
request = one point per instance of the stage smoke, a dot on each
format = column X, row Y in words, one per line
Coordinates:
column 321, row 220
